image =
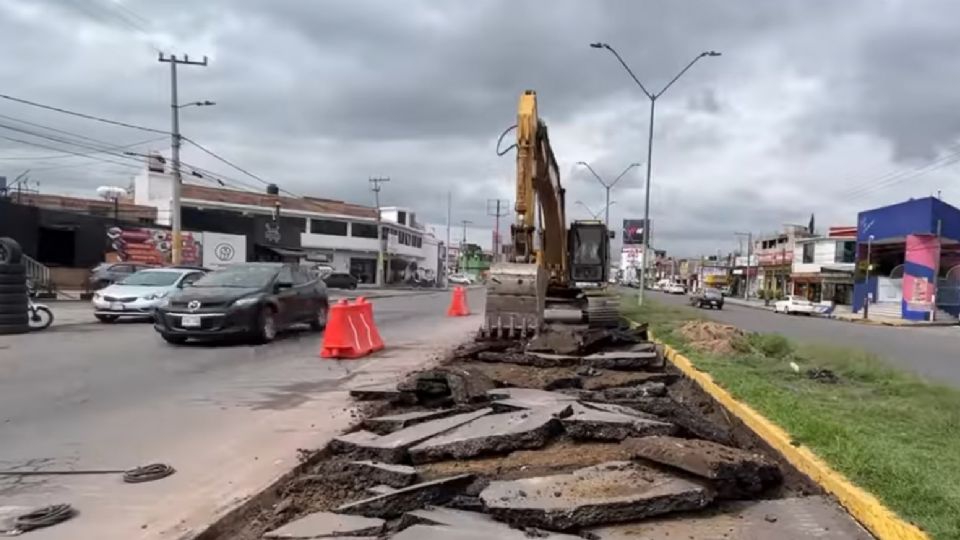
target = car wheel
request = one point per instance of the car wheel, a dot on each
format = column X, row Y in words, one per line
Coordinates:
column 10, row 252
column 266, row 330
column 174, row 339
column 106, row 318
column 319, row 320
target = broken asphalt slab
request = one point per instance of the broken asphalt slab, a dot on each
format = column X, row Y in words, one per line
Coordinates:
column 460, row 384
column 735, row 471
column 527, row 398
column 588, row 424
column 605, row 379
column 394, row 422
column 392, row 448
column 395, row 476
column 608, row 493
column 392, row 505
column 783, row 519
column 381, row 392
column 625, row 360
column 493, row 434
column 533, row 359
column 325, row 525
column 459, row 524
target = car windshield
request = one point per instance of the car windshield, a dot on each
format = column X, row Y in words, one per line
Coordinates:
column 713, row 293
column 149, row 278
column 238, row 276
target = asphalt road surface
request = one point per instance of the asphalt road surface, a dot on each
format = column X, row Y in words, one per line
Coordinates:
column 930, row 352
column 228, row 418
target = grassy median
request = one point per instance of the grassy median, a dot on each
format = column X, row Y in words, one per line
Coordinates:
column 890, row 432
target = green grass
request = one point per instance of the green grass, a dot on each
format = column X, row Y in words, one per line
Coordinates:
column 890, row 432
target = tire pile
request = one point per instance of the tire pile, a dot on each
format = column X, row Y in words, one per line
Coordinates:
column 13, row 289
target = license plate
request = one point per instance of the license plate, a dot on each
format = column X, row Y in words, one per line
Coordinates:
column 116, row 306
column 190, row 321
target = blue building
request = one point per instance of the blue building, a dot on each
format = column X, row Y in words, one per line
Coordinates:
column 913, row 252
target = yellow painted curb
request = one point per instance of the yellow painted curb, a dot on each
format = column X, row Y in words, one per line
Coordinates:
column 867, row 509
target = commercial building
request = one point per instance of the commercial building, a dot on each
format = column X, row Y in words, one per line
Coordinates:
column 908, row 260
column 311, row 230
column 774, row 254
column 823, row 266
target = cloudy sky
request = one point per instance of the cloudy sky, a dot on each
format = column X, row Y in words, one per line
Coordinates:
column 815, row 106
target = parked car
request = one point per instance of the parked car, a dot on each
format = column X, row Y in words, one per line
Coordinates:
column 675, row 288
column 256, row 300
column 793, row 305
column 108, row 273
column 707, row 298
column 139, row 294
column 459, row 279
column 341, row 280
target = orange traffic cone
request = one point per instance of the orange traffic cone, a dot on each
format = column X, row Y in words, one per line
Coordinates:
column 458, row 303
column 368, row 325
column 341, row 338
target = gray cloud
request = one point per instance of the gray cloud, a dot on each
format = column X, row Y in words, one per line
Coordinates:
column 318, row 96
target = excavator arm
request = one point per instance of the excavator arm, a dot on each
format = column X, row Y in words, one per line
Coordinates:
column 538, row 186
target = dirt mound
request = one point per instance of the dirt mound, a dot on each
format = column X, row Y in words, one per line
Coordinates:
column 711, row 337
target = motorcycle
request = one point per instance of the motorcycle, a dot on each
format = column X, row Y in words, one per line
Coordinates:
column 39, row 315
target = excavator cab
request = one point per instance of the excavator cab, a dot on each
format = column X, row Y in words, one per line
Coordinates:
column 588, row 245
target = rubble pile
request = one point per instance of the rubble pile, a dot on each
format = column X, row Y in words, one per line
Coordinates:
column 505, row 441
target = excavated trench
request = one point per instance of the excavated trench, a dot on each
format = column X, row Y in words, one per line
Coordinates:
column 597, row 438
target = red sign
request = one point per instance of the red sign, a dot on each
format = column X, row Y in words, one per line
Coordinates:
column 151, row 246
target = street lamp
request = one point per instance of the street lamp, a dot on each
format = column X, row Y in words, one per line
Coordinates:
column 596, row 215
column 607, row 187
column 204, row 103
column 653, row 100
column 175, row 141
column 866, row 298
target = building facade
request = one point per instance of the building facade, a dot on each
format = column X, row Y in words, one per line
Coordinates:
column 774, row 253
column 823, row 266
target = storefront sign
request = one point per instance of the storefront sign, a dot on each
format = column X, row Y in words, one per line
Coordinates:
column 223, row 249
column 151, row 246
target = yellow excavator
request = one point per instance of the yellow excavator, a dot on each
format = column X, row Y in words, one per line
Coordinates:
column 554, row 273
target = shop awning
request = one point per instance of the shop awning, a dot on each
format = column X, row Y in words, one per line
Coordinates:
column 285, row 252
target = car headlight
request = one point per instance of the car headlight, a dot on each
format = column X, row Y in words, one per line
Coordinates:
column 246, row 301
column 164, row 301
column 155, row 296
column 97, row 296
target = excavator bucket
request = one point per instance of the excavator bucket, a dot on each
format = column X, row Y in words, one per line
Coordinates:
column 516, row 296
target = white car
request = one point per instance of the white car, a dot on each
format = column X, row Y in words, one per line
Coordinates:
column 139, row 294
column 793, row 305
column 459, row 279
column 675, row 288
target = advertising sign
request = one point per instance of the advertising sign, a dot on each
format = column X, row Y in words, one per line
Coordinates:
column 151, row 246
column 633, row 232
column 220, row 249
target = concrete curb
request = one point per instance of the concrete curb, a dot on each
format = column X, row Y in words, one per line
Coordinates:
column 867, row 509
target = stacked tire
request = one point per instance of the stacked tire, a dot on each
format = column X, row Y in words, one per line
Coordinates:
column 13, row 289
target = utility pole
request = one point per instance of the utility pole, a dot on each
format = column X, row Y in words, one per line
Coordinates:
column 463, row 244
column 446, row 248
column 375, row 185
column 493, row 209
column 749, row 235
column 175, row 218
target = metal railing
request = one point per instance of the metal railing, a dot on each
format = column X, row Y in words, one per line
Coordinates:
column 38, row 273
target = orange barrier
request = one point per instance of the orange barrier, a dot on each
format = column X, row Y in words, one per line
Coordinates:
column 458, row 303
column 365, row 310
column 351, row 331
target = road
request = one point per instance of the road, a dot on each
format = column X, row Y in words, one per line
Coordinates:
column 228, row 418
column 929, row 352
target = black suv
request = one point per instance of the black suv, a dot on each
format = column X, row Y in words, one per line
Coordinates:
column 338, row 280
column 249, row 299
column 711, row 298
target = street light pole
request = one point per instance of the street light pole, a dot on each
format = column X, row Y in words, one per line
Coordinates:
column 175, row 217
column 375, row 185
column 606, row 187
column 463, row 244
column 653, row 102
column 749, row 235
column 596, row 215
column 866, row 297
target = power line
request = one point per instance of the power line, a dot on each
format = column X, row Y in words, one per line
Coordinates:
column 117, row 16
column 83, row 115
column 235, row 166
column 73, row 155
column 32, row 143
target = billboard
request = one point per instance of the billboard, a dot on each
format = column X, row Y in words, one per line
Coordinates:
column 150, row 245
column 633, row 232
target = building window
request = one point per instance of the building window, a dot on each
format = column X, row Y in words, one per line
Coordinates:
column 402, row 218
column 363, row 230
column 808, row 250
column 328, row 226
column 846, row 251
column 417, row 241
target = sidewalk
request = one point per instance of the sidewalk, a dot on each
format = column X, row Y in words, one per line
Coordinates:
column 843, row 313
